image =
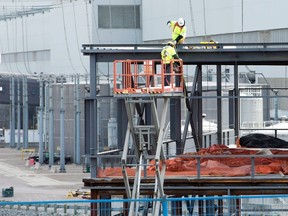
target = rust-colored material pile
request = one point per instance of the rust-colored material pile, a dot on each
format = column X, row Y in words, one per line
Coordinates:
column 216, row 166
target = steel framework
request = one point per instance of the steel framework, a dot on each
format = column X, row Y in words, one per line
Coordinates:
column 191, row 54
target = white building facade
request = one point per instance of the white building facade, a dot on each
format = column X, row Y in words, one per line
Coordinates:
column 47, row 36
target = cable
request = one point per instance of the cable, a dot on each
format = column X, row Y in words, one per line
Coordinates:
column 8, row 42
column 204, row 14
column 135, row 23
column 242, row 20
column 96, row 26
column 87, row 19
column 110, row 19
column 192, row 19
column 28, row 61
column 77, row 39
column 5, row 62
column 24, row 52
column 66, row 41
column 16, row 52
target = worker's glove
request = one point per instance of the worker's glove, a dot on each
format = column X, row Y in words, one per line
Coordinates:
column 174, row 42
column 169, row 23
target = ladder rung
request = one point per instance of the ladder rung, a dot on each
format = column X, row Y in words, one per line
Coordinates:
column 144, row 127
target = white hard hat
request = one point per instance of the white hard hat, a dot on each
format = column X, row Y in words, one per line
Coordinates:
column 181, row 22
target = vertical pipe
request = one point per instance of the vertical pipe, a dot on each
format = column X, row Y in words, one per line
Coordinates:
column 236, row 101
column 46, row 114
column 75, row 117
column 276, row 105
column 12, row 125
column 10, row 120
column 77, row 120
column 25, row 113
column 18, row 115
column 51, row 126
column 41, row 145
column 219, row 104
column 200, row 108
column 62, row 132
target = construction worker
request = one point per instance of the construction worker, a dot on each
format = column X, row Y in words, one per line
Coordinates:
column 178, row 30
column 168, row 54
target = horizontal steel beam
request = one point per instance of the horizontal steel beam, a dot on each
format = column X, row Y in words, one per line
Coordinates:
column 228, row 54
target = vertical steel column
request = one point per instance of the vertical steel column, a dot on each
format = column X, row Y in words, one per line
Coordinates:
column 62, row 129
column 199, row 114
column 78, row 153
column 93, row 135
column 41, row 144
column 236, row 101
column 191, row 116
column 51, row 125
column 18, row 115
column 219, row 104
column 12, row 120
column 175, row 123
column 122, row 121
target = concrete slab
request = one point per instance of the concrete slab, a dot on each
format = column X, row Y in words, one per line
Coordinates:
column 33, row 183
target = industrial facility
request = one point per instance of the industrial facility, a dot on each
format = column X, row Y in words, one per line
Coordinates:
column 84, row 80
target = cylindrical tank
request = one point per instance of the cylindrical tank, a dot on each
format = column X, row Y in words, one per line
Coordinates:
column 112, row 133
column 251, row 110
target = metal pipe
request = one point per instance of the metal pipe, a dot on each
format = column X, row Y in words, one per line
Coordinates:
column 77, row 120
column 41, row 144
column 62, row 131
column 51, row 126
column 12, row 121
column 18, row 115
column 75, row 117
column 25, row 113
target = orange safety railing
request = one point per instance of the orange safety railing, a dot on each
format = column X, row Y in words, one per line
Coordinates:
column 147, row 77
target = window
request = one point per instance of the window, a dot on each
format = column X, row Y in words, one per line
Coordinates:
column 118, row 16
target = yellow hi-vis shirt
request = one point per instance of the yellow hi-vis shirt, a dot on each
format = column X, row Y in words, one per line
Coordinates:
column 177, row 30
column 167, row 54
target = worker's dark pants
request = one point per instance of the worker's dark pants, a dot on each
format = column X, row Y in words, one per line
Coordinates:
column 167, row 71
column 167, row 77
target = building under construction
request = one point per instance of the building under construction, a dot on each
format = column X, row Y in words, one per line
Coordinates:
column 144, row 108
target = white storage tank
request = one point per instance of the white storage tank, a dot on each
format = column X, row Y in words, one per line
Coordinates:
column 251, row 109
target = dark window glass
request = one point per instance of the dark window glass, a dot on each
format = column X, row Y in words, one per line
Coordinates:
column 118, row 16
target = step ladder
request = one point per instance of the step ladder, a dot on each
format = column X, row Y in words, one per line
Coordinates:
column 147, row 143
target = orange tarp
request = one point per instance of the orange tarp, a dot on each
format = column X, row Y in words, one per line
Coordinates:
column 214, row 166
